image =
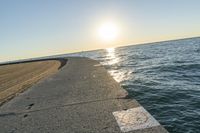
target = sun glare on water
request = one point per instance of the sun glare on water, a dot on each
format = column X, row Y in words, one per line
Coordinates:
column 108, row 31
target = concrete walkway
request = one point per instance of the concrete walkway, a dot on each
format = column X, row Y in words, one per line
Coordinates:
column 81, row 98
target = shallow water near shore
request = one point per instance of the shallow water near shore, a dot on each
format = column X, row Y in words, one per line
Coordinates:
column 164, row 77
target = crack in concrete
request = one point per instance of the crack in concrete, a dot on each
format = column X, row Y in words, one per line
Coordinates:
column 14, row 113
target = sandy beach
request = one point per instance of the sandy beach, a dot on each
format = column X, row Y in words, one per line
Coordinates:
column 15, row 78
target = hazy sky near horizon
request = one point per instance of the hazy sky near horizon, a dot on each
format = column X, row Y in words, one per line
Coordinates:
column 32, row 28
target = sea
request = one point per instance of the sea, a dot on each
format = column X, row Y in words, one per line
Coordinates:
column 164, row 77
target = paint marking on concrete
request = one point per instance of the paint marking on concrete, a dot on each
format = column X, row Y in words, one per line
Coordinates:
column 134, row 119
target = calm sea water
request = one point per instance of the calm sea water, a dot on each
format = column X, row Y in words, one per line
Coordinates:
column 164, row 77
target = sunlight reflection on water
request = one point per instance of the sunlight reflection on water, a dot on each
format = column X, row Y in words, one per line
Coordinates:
column 120, row 76
column 111, row 57
column 112, row 60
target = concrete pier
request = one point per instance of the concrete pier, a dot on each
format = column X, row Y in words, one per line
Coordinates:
column 80, row 98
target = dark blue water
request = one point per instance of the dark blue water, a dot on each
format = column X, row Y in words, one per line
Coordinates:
column 164, row 77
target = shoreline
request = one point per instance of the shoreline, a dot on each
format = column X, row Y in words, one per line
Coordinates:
column 80, row 97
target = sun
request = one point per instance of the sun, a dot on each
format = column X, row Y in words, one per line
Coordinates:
column 108, row 31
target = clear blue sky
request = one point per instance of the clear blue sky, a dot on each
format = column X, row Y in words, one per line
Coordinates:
column 32, row 28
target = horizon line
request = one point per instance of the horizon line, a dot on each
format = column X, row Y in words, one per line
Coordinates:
column 128, row 45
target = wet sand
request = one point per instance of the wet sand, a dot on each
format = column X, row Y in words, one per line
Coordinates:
column 15, row 78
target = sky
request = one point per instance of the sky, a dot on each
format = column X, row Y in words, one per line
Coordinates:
column 34, row 28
